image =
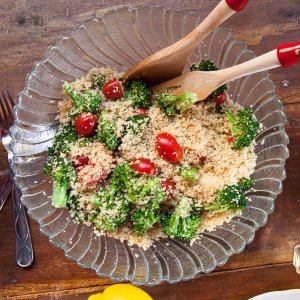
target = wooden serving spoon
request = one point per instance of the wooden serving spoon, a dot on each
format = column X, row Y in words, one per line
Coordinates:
column 170, row 61
column 204, row 83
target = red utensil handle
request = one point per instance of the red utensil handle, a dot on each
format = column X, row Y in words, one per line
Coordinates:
column 237, row 5
column 288, row 54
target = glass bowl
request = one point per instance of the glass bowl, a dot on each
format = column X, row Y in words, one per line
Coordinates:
column 121, row 37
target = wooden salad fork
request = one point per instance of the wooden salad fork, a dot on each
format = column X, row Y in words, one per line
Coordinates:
column 204, row 83
column 170, row 61
column 24, row 250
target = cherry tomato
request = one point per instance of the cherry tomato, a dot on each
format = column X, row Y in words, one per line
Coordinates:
column 168, row 186
column 231, row 139
column 91, row 174
column 80, row 161
column 86, row 124
column 140, row 111
column 113, row 89
column 143, row 165
column 168, row 148
column 221, row 98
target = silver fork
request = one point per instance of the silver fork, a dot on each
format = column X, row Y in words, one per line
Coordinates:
column 6, row 183
column 24, row 250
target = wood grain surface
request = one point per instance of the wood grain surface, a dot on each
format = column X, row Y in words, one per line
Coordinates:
column 27, row 28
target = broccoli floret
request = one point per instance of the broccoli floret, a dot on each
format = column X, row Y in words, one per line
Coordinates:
column 66, row 134
column 121, row 176
column 246, row 184
column 232, row 197
column 63, row 174
column 184, row 221
column 52, row 161
column 86, row 102
column 144, row 218
column 144, row 191
column 174, row 104
column 135, row 123
column 140, row 190
column 106, row 131
column 204, row 65
column 188, row 173
column 208, row 65
column 244, row 127
column 86, row 141
column 139, row 93
column 99, row 81
column 59, row 168
column 114, row 208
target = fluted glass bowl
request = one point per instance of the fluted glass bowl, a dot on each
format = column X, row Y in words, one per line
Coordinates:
column 120, row 38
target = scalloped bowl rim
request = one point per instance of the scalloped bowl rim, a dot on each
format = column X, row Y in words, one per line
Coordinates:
column 103, row 13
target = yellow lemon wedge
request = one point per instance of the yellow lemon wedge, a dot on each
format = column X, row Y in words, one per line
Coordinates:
column 96, row 297
column 124, row 291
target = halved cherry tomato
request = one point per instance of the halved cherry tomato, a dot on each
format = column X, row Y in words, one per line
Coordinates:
column 140, row 111
column 91, row 174
column 113, row 89
column 80, row 161
column 143, row 165
column 168, row 148
column 168, row 186
column 231, row 139
column 86, row 124
column 221, row 98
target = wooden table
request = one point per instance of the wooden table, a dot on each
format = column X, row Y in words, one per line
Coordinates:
column 27, row 28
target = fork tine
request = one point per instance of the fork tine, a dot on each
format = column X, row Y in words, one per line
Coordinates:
column 12, row 103
column 9, row 104
column 4, row 117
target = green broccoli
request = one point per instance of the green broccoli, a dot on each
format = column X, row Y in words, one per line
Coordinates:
column 184, row 221
column 232, row 197
column 139, row 93
column 246, row 184
column 86, row 102
column 188, row 173
column 63, row 174
column 59, row 168
column 135, row 123
column 52, row 161
column 146, row 190
column 144, row 218
column 86, row 141
column 66, row 134
column 208, row 65
column 174, row 104
column 139, row 190
column 204, row 65
column 244, row 127
column 145, row 193
column 106, row 131
column 99, row 81
column 114, row 208
column 121, row 176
